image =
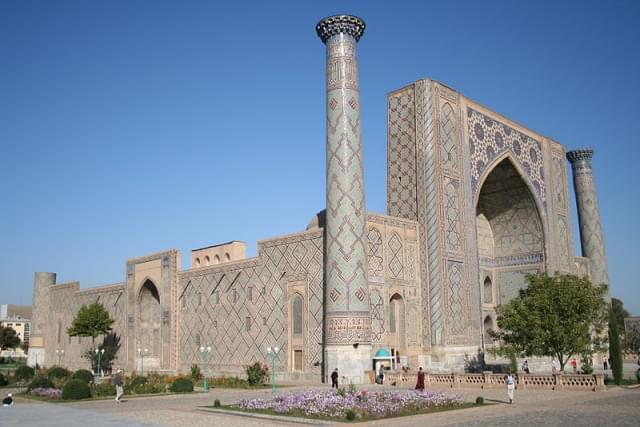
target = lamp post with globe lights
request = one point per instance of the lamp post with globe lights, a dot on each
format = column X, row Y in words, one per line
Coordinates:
column 205, row 351
column 99, row 353
column 273, row 353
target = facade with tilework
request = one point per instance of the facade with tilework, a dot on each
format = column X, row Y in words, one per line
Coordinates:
column 475, row 201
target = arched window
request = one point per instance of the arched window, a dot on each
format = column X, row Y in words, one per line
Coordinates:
column 296, row 314
column 196, row 262
column 488, row 291
column 227, row 257
column 207, row 260
column 392, row 316
column 216, row 259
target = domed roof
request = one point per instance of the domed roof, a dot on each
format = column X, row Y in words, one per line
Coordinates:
column 318, row 221
column 382, row 353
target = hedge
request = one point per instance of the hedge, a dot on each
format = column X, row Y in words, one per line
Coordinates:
column 182, row 385
column 40, row 382
column 84, row 375
column 76, row 389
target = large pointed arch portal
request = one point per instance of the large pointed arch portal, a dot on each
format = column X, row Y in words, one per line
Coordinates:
column 510, row 234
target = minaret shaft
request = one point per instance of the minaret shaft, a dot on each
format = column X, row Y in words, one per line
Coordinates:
column 591, row 235
column 347, row 314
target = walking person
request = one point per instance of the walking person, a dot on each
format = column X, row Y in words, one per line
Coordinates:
column 510, row 381
column 574, row 365
column 420, row 382
column 605, row 365
column 117, row 380
column 525, row 367
column 334, row 378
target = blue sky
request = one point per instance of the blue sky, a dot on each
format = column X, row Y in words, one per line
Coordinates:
column 130, row 127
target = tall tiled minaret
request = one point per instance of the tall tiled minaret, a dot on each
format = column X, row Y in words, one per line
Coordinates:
column 347, row 315
column 591, row 236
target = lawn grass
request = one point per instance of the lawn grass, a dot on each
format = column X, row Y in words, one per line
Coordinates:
column 300, row 414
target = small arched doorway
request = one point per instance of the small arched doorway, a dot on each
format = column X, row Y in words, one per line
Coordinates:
column 397, row 325
column 488, row 327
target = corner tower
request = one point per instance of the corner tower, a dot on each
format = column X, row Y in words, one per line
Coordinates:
column 347, row 314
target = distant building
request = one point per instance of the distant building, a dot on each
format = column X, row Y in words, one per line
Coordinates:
column 17, row 317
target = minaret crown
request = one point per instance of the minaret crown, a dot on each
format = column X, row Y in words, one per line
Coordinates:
column 580, row 155
column 340, row 24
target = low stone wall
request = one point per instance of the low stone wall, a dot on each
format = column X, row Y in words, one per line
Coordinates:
column 593, row 382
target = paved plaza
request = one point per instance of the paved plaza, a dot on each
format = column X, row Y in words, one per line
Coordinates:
column 618, row 406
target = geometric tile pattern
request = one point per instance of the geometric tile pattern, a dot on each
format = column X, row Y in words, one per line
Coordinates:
column 347, row 309
column 375, row 261
column 244, row 308
column 591, row 236
column 489, row 138
column 456, row 302
column 377, row 315
column 395, row 255
column 401, row 155
column 453, row 234
column 448, row 120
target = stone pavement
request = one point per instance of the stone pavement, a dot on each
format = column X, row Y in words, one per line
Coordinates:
column 617, row 406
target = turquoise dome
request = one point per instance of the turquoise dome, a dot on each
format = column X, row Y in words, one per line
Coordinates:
column 383, row 352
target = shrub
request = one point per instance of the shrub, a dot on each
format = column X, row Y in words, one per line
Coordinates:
column 148, row 388
column 40, row 382
column 479, row 400
column 182, row 385
column 196, row 373
column 58, row 372
column 350, row 415
column 3, row 380
column 233, row 382
column 638, row 376
column 216, row 403
column 76, row 389
column 137, row 381
column 25, row 373
column 586, row 364
column 84, row 375
column 257, row 374
column 103, row 389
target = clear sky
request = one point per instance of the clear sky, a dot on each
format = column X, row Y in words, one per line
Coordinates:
column 130, row 127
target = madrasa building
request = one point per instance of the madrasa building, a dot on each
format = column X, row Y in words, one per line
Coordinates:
column 474, row 202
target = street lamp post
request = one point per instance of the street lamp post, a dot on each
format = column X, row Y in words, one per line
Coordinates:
column 273, row 353
column 205, row 351
column 142, row 352
column 60, row 354
column 99, row 353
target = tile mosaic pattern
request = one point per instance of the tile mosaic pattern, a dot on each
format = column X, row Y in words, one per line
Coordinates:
column 489, row 138
column 347, row 306
column 401, row 155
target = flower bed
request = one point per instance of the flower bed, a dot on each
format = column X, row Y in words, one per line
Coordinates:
column 50, row 393
column 362, row 405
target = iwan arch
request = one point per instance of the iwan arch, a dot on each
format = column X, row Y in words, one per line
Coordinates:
column 474, row 202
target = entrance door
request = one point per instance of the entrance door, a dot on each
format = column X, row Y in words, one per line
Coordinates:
column 297, row 360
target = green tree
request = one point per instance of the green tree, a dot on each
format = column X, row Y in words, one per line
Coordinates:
column 618, row 313
column 8, row 338
column 632, row 339
column 615, row 352
column 92, row 321
column 556, row 316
